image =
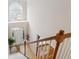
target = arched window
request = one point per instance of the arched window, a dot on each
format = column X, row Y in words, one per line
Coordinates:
column 15, row 12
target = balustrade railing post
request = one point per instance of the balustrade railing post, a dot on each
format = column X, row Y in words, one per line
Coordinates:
column 27, row 38
column 25, row 48
column 38, row 37
column 59, row 38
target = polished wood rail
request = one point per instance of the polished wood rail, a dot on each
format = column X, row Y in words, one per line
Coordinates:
column 67, row 35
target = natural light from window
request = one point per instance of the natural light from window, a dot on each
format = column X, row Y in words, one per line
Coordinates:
column 15, row 12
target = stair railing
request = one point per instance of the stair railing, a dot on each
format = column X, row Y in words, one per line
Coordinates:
column 59, row 38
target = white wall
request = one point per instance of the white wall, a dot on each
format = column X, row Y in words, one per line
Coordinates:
column 47, row 17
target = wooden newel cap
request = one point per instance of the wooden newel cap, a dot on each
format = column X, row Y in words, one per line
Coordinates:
column 60, row 36
column 61, row 32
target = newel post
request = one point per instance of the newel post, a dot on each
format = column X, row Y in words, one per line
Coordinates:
column 27, row 38
column 59, row 38
column 38, row 37
column 25, row 48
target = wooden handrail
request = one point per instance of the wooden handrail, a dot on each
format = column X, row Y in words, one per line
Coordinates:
column 67, row 35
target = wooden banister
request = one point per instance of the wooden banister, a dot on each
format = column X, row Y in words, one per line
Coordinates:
column 66, row 35
column 59, row 37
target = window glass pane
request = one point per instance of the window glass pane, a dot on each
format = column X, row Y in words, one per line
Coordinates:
column 15, row 12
